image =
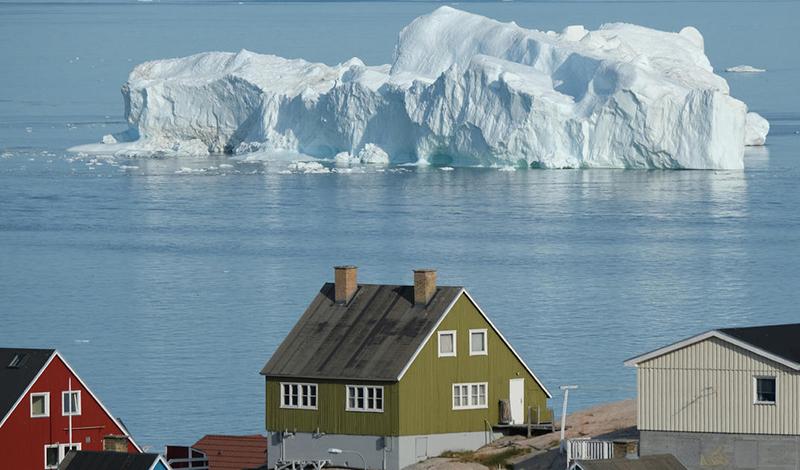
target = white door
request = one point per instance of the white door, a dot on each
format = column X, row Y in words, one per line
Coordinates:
column 516, row 399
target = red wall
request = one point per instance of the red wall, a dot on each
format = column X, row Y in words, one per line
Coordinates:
column 22, row 438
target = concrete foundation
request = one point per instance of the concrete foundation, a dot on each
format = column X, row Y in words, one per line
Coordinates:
column 719, row 451
column 390, row 453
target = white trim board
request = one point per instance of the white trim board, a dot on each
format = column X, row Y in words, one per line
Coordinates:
column 55, row 354
column 485, row 317
column 635, row 361
column 158, row 459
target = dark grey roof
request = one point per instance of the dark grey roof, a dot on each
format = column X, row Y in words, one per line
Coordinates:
column 648, row 462
column 372, row 337
column 780, row 340
column 106, row 460
column 14, row 380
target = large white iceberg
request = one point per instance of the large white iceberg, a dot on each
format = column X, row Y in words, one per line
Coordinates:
column 462, row 90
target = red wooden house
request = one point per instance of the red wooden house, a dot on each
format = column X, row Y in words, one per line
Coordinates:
column 46, row 410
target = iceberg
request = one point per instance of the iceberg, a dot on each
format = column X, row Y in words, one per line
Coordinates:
column 744, row 69
column 756, row 130
column 462, row 90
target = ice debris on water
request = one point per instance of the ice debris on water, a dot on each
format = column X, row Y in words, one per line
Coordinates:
column 462, row 86
column 307, row 167
column 745, row 69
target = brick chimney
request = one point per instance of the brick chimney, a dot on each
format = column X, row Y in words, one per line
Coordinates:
column 345, row 282
column 115, row 443
column 424, row 285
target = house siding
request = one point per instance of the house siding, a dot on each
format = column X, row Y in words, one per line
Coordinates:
column 22, row 438
column 330, row 417
column 708, row 387
column 426, row 388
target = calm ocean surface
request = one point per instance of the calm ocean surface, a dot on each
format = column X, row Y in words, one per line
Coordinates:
column 168, row 283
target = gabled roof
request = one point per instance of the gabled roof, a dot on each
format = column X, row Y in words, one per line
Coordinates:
column 15, row 379
column 376, row 336
column 27, row 364
column 372, row 337
column 106, row 460
column 646, row 462
column 778, row 343
column 233, row 452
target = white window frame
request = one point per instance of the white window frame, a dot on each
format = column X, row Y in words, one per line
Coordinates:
column 439, row 343
column 46, row 396
column 366, row 389
column 756, row 378
column 300, row 406
column 62, row 452
column 469, row 395
column 71, row 413
column 485, row 351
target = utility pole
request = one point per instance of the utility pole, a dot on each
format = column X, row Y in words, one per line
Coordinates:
column 566, row 389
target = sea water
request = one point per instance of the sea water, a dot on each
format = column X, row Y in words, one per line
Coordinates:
column 168, row 283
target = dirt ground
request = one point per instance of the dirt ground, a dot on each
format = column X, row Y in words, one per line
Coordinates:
column 609, row 421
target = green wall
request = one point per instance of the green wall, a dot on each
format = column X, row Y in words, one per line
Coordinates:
column 330, row 416
column 426, row 395
column 421, row 403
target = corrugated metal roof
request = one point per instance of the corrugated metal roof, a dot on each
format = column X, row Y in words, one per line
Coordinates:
column 648, row 462
column 372, row 337
column 233, row 452
column 15, row 378
column 106, row 460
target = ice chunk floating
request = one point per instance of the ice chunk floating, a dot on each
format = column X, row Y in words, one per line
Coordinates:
column 462, row 90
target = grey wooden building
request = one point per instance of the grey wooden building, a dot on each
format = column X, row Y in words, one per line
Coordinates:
column 723, row 399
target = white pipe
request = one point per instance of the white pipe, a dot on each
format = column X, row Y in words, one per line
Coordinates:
column 71, row 411
column 566, row 389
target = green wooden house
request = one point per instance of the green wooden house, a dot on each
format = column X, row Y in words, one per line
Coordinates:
column 393, row 373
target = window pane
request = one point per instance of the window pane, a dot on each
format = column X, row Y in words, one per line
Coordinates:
column 51, row 456
column 765, row 390
column 313, row 401
column 446, row 344
column 478, row 343
column 378, row 404
column 38, row 405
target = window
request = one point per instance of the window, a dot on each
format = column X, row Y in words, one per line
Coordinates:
column 765, row 390
column 18, row 361
column 365, row 398
column 71, row 403
column 447, row 343
column 299, row 395
column 40, row 405
column 55, row 453
column 469, row 396
column 477, row 343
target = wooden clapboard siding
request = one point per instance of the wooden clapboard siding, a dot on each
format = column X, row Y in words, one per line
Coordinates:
column 709, row 387
column 331, row 416
column 426, row 396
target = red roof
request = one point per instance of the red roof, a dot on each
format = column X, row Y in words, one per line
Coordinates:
column 233, row 452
